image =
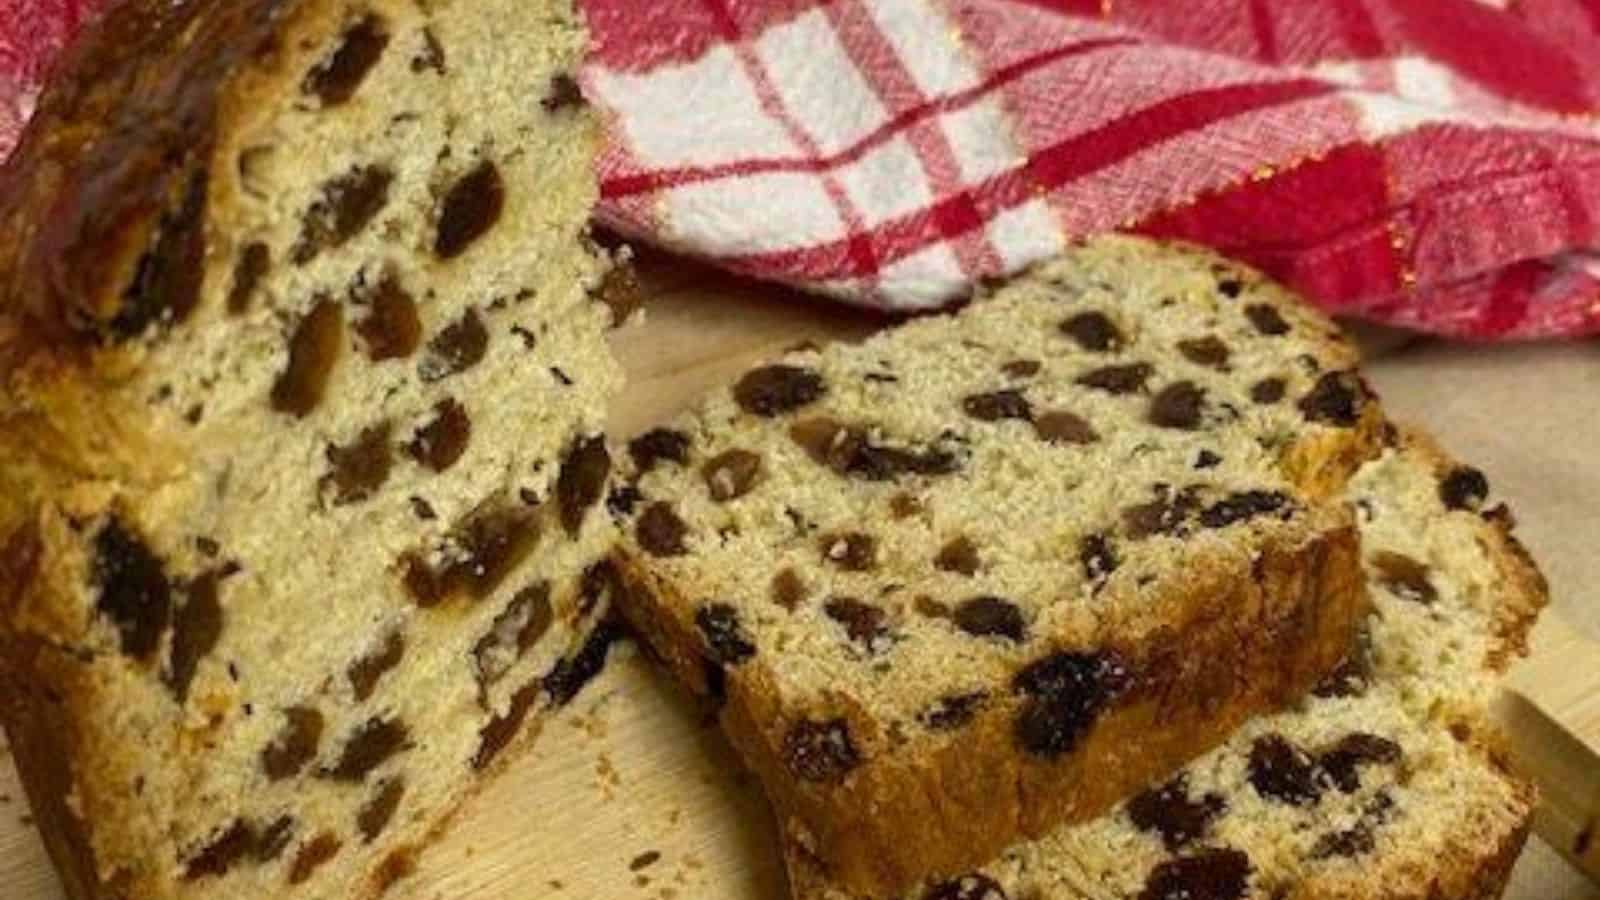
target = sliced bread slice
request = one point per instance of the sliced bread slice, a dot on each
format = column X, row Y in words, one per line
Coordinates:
column 990, row 572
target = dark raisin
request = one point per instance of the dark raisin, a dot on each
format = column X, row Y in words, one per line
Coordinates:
column 459, row 347
column 1230, row 288
column 195, row 631
column 1217, row 874
column 392, row 328
column 497, row 733
column 731, row 475
column 272, row 842
column 1207, row 459
column 571, row 675
column 311, row 857
column 1337, row 399
column 365, row 671
column 336, row 79
column 661, row 532
column 1021, row 368
column 296, row 743
column 992, row 617
column 368, row 748
column 1128, row 379
column 1344, row 761
column 1351, row 676
column 248, row 270
column 998, row 406
column 564, row 94
column 774, row 390
column 622, row 500
column 438, row 445
column 658, row 444
column 1062, row 427
column 1093, row 331
column 359, row 469
column 820, row 751
column 968, row 887
column 423, row 510
column 375, row 815
column 850, row 452
column 1179, row 405
column 1281, row 771
column 1208, row 351
column 1464, row 488
column 523, row 622
column 1244, row 506
column 471, row 207
column 788, row 591
column 863, row 622
column 954, row 711
column 726, row 641
column 1167, row 514
column 431, row 57
column 236, row 842
column 1405, row 577
column 582, row 481
column 347, row 205
column 1098, row 556
column 853, row 552
column 959, row 555
column 1168, row 811
column 1066, row 692
column 1347, row 843
column 166, row 282
column 480, row 552
column 1268, row 391
column 313, row 352
column 134, row 592
column 1267, row 319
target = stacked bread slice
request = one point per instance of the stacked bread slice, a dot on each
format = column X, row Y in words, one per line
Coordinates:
column 301, row 444
column 991, row 574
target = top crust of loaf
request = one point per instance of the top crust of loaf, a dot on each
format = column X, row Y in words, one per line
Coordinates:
column 1109, row 473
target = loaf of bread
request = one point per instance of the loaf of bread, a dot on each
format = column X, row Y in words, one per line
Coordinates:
column 991, row 572
column 302, row 344
column 1387, row 784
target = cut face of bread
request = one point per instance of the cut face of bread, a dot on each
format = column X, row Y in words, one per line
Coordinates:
column 301, row 446
column 989, row 572
column 1384, row 784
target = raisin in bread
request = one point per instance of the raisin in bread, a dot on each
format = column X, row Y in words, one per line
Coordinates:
column 300, row 449
column 989, row 572
column 1385, row 785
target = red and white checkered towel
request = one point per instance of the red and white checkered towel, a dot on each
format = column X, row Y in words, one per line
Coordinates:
column 1433, row 164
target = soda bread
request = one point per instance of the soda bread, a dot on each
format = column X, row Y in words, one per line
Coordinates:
column 302, row 343
column 1385, row 785
column 990, row 572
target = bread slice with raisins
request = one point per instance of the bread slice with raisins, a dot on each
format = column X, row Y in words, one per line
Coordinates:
column 1387, row 784
column 301, row 439
column 991, row 572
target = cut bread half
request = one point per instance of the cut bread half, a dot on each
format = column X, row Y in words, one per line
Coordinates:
column 301, row 449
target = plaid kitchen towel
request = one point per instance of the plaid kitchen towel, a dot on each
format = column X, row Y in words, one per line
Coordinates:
column 1433, row 164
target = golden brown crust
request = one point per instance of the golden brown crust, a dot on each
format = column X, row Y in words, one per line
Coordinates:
column 1237, row 648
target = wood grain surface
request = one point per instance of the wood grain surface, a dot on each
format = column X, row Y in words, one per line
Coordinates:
column 630, row 794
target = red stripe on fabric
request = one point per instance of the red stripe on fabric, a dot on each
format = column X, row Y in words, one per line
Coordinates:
column 1509, row 299
column 958, row 215
column 1321, row 227
column 1050, row 169
column 772, row 105
column 872, row 53
column 625, row 185
column 1360, row 31
column 1266, row 36
column 1495, row 50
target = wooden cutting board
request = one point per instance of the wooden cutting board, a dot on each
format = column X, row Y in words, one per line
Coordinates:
column 631, row 794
